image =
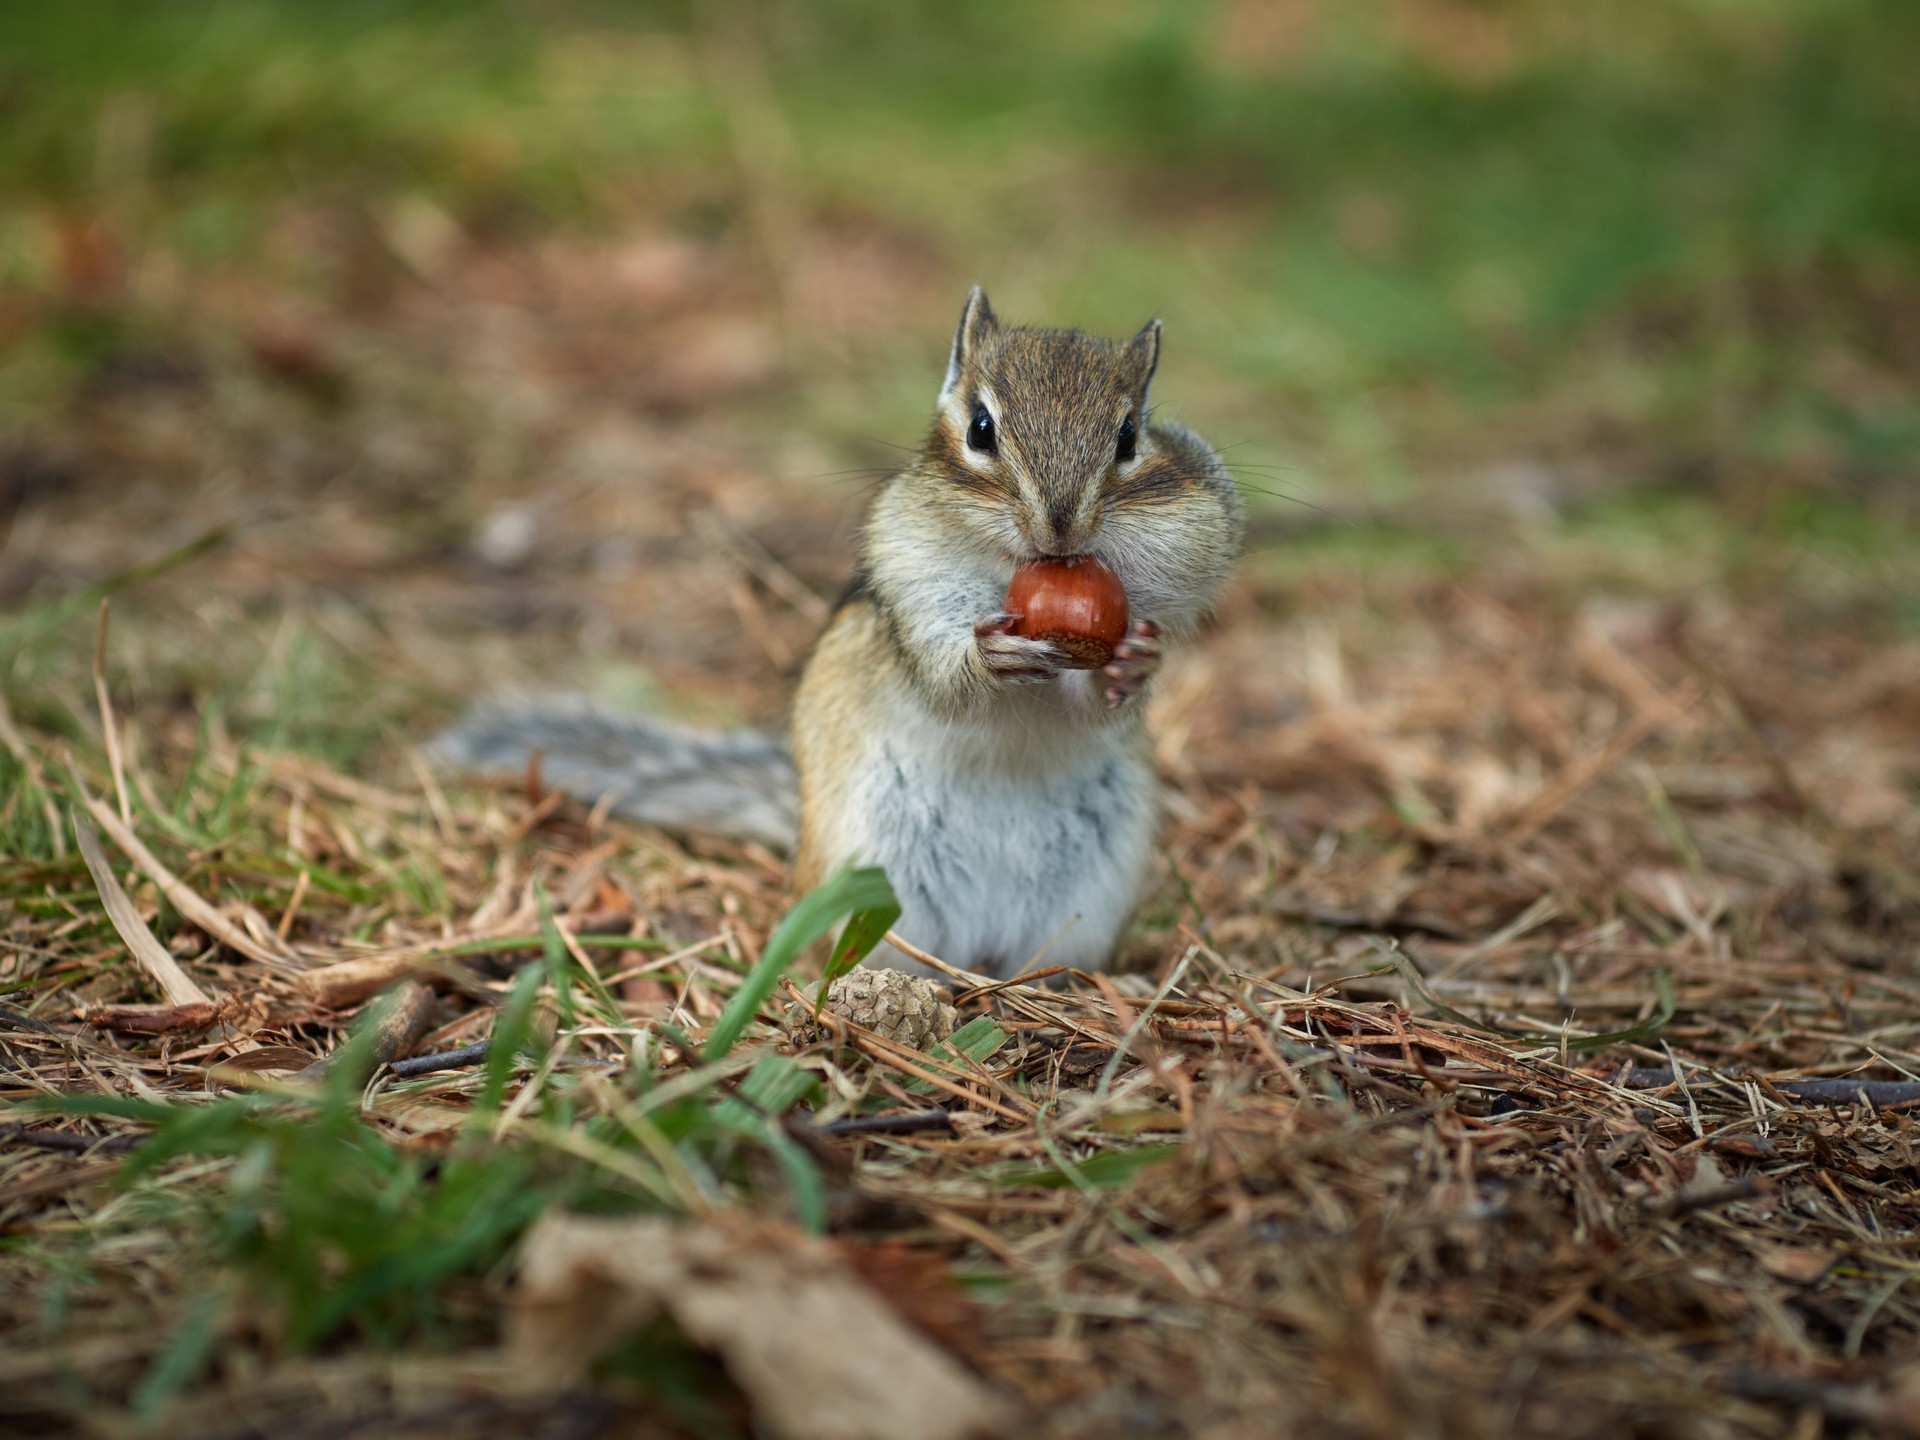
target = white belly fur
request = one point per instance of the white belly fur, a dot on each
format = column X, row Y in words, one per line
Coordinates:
column 1005, row 839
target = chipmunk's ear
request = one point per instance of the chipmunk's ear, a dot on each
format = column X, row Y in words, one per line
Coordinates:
column 977, row 322
column 1143, row 350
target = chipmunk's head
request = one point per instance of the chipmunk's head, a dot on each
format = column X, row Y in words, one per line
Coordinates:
column 1049, row 428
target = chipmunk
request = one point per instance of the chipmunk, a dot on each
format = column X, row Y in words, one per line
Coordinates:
column 1010, row 798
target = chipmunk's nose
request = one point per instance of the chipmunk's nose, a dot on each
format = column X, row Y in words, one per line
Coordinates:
column 1061, row 515
column 1057, row 525
column 1064, row 526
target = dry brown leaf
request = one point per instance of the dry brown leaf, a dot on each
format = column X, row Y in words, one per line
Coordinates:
column 816, row 1350
column 159, row 1019
column 154, row 957
column 920, row 1287
column 182, row 896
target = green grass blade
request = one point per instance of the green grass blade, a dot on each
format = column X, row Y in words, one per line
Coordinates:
column 776, row 1084
column 975, row 1041
column 559, row 962
column 1663, row 1008
column 862, row 894
column 1413, row 977
column 865, row 929
column 511, row 1031
column 37, row 622
column 1100, row 1172
column 803, row 1179
column 181, row 1362
column 972, row 1043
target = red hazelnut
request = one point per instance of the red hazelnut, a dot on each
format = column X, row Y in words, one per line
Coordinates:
column 1077, row 604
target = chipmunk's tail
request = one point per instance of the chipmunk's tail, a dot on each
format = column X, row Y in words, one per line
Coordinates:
column 739, row 782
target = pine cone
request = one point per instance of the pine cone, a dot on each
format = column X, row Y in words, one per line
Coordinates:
column 907, row 1009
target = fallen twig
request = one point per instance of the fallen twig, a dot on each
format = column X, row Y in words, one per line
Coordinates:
column 444, row 1060
column 911, row 1123
column 13, row 1019
column 67, row 1140
column 1878, row 1093
column 402, row 1021
column 1686, row 1202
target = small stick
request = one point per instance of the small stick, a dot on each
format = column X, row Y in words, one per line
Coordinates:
column 1879, row 1093
column 401, row 1023
column 67, row 1140
column 1025, row 977
column 910, row 1123
column 934, row 962
column 1673, row 1207
column 445, row 1060
column 20, row 1021
column 128, row 1020
column 285, row 927
column 476, row 1054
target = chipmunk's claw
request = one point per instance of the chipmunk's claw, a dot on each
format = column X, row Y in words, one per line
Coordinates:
column 1136, row 659
column 1014, row 658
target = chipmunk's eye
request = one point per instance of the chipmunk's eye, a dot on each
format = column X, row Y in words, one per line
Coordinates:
column 980, row 434
column 1123, row 444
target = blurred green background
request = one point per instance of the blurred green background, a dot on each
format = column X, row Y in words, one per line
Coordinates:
column 1369, row 226
column 1644, row 276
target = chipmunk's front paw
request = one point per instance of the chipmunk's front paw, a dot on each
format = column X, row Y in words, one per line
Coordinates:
column 1135, row 660
column 1014, row 658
